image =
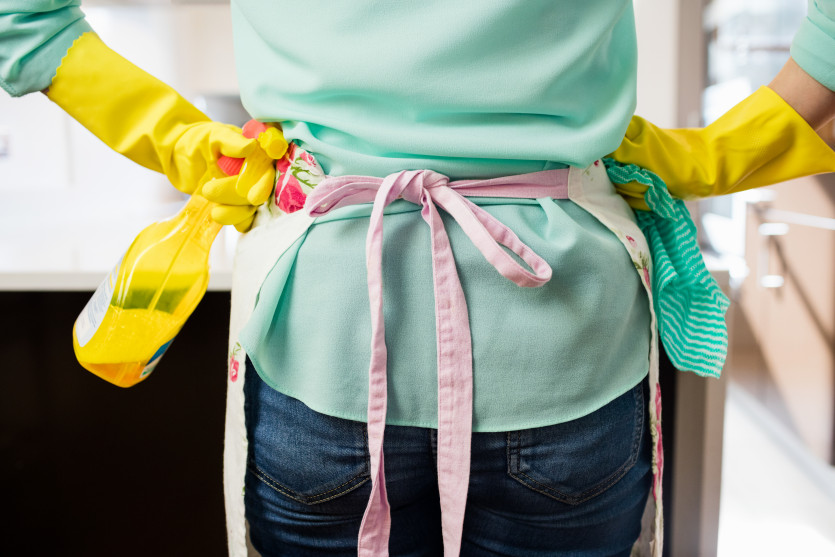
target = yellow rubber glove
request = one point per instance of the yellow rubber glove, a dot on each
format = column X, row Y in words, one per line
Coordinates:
column 147, row 121
column 759, row 142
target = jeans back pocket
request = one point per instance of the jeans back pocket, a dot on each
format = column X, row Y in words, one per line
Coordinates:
column 575, row 461
column 298, row 452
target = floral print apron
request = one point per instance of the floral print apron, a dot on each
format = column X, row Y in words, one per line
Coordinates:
column 282, row 222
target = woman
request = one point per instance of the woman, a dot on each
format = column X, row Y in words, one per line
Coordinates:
column 510, row 104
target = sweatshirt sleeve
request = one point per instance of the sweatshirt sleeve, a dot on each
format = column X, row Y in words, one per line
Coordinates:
column 34, row 37
column 813, row 47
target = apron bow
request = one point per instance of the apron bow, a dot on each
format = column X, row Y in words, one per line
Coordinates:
column 430, row 189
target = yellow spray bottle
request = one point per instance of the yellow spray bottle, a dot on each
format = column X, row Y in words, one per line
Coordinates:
column 134, row 315
column 143, row 303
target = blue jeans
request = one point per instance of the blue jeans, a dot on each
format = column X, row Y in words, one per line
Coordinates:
column 576, row 488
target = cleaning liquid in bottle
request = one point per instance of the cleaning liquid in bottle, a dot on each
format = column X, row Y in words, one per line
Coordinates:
column 134, row 315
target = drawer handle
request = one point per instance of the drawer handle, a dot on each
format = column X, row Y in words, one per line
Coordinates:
column 770, row 229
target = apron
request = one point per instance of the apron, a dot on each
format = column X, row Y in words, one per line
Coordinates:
column 279, row 228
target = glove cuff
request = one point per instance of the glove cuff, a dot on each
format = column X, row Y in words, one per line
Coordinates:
column 763, row 141
column 128, row 109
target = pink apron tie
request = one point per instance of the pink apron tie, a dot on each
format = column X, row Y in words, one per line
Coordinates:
column 455, row 378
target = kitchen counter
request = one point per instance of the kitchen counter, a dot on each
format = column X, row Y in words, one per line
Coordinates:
column 74, row 281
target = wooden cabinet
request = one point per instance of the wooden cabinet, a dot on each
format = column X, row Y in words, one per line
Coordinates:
column 90, row 469
column 784, row 349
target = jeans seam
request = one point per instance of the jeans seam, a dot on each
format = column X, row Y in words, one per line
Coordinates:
column 509, row 455
column 313, row 499
column 613, row 478
column 367, row 451
column 433, row 457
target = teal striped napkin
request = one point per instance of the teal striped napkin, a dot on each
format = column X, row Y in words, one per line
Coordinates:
column 689, row 305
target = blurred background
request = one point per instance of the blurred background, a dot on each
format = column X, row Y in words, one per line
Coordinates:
column 86, row 467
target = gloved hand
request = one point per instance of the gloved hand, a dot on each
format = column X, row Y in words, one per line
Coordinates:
column 759, row 142
column 237, row 206
column 147, row 121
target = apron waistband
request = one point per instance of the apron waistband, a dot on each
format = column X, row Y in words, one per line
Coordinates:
column 430, row 190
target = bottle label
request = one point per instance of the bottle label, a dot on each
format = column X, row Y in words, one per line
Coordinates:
column 152, row 363
column 93, row 313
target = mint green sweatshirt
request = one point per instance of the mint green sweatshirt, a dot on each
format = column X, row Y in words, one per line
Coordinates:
column 469, row 89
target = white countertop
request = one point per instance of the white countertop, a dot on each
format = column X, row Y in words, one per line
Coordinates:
column 83, row 281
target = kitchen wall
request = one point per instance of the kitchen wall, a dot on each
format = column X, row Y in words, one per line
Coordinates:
column 69, row 202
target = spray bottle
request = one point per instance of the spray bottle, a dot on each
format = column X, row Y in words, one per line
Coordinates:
column 134, row 315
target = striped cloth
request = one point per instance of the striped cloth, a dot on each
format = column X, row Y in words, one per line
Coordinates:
column 689, row 305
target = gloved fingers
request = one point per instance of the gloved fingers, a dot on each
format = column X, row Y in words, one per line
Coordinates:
column 257, row 178
column 245, row 225
column 228, row 140
column 188, row 175
column 211, row 172
column 207, row 142
column 232, row 214
column 254, row 182
column 639, row 204
column 260, row 192
column 222, row 190
column 193, row 161
column 633, row 193
column 632, row 189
